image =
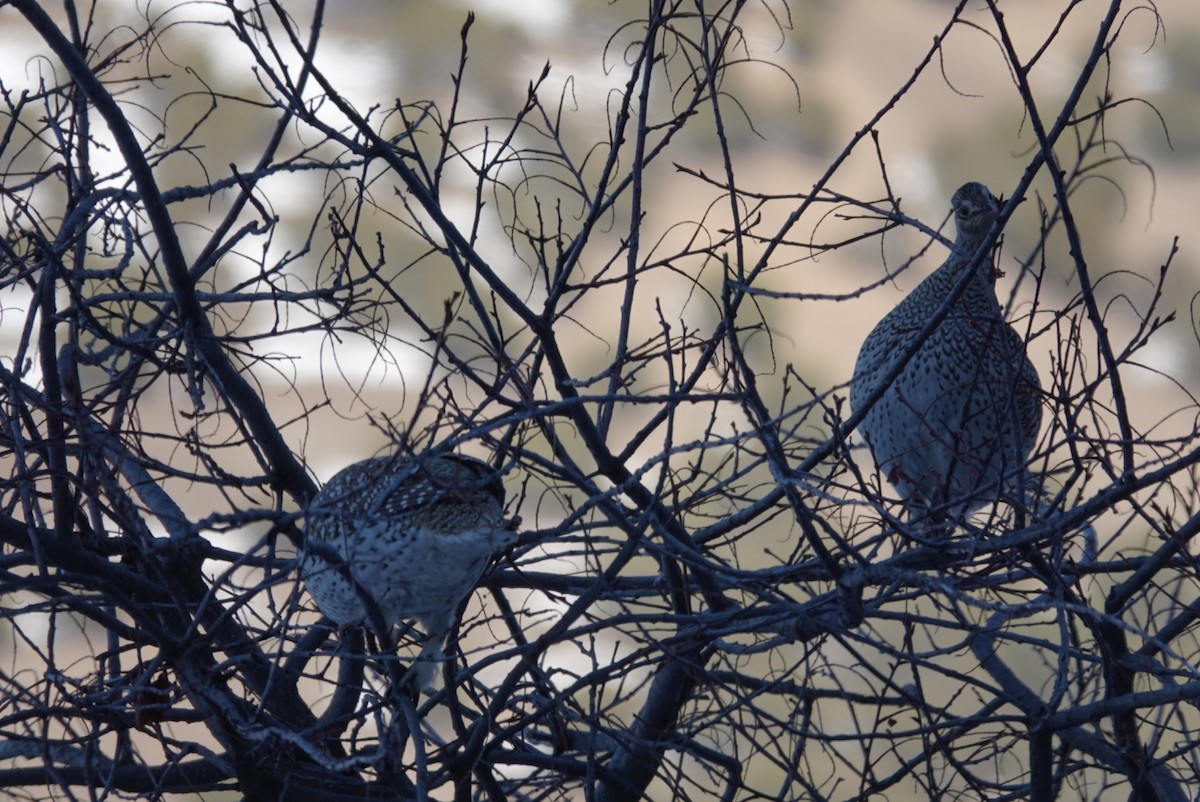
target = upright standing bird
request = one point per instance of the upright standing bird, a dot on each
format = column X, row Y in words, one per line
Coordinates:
column 954, row 430
column 413, row 535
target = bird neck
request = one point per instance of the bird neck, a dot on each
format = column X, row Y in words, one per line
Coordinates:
column 981, row 288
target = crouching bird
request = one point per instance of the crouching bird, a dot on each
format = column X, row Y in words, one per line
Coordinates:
column 409, row 536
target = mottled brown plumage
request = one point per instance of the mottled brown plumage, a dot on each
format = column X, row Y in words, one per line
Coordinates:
column 415, row 533
column 954, row 430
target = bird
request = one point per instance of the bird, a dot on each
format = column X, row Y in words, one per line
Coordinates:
column 955, row 429
column 407, row 536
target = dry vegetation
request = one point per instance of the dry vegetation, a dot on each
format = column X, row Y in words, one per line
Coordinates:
column 634, row 287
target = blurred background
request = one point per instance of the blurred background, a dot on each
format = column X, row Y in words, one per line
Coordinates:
column 816, row 72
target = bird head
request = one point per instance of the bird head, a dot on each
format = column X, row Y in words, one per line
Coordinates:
column 975, row 208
